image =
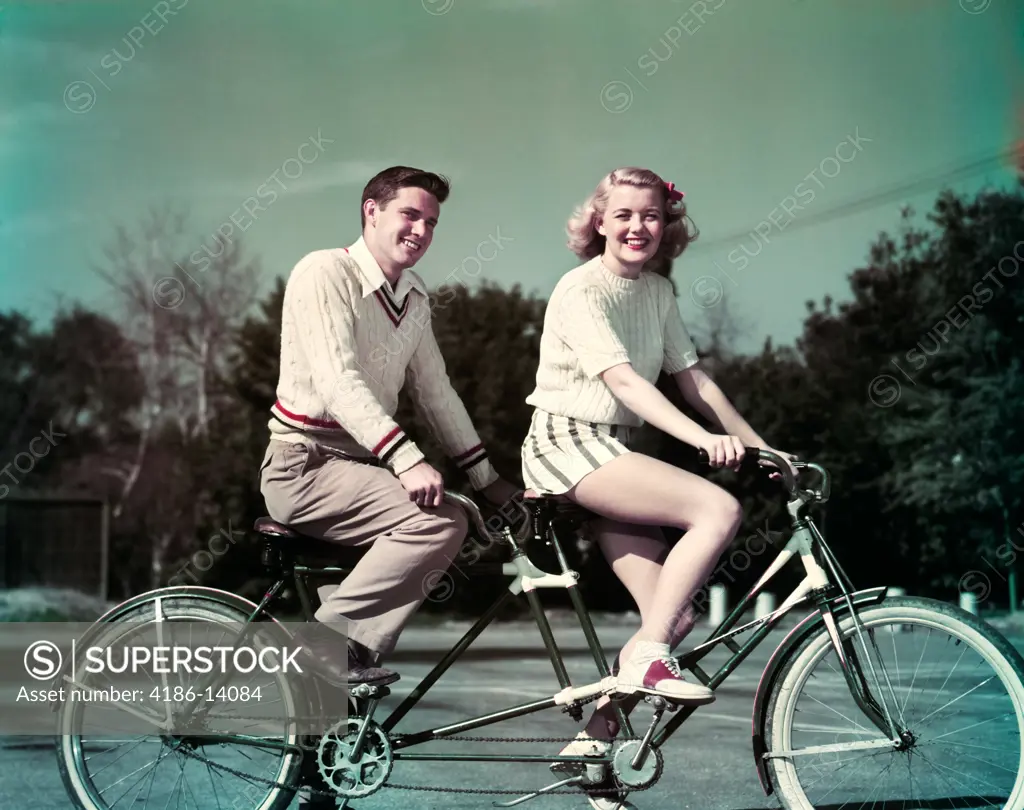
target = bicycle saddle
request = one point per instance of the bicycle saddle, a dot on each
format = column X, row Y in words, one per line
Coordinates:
column 548, row 508
column 296, row 544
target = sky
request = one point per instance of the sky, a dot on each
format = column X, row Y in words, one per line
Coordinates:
column 778, row 118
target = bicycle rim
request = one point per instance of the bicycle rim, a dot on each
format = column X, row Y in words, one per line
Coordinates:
column 953, row 682
column 148, row 770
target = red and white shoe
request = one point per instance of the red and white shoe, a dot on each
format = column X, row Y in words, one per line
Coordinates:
column 651, row 669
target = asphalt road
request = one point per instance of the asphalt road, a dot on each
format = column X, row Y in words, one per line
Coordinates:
column 708, row 763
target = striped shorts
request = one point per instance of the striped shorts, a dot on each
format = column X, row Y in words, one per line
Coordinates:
column 560, row 451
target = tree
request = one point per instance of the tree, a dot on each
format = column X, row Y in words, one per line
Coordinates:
column 957, row 427
column 181, row 329
column 241, row 428
column 907, row 371
column 74, row 383
column 21, row 392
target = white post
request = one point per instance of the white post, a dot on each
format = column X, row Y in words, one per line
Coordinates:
column 896, row 628
column 718, row 605
column 969, row 602
column 764, row 605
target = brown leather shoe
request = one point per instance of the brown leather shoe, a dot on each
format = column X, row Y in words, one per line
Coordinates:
column 361, row 670
column 323, row 653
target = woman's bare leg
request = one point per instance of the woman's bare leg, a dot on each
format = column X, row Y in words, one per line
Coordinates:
column 638, row 489
column 636, row 493
column 635, row 554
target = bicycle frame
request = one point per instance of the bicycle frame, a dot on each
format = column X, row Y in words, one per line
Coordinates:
column 827, row 595
column 816, row 588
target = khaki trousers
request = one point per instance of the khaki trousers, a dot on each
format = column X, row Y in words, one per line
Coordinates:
column 358, row 504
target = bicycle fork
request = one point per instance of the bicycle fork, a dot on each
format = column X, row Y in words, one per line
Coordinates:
column 853, row 670
column 805, row 534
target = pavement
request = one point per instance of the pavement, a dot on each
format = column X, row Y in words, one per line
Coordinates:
column 708, row 765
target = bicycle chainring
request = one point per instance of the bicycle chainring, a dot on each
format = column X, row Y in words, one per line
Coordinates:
column 636, row 778
column 371, row 768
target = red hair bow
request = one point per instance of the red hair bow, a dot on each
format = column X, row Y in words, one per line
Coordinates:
column 673, row 195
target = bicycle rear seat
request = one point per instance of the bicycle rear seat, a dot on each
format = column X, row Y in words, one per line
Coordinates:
column 286, row 541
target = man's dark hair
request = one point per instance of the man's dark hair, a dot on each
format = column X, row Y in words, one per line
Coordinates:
column 385, row 185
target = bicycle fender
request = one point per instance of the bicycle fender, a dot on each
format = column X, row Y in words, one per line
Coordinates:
column 807, row 627
column 194, row 591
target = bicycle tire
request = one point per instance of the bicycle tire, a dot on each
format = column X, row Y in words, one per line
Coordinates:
column 901, row 612
column 178, row 606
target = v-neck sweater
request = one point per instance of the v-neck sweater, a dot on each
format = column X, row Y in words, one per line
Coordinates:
column 347, row 352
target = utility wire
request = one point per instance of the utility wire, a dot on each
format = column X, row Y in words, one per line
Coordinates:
column 891, row 194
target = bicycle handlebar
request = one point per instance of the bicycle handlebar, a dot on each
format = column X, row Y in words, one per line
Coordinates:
column 458, row 499
column 758, row 454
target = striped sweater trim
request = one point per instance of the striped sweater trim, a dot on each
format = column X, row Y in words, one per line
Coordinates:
column 386, row 447
column 394, row 312
column 302, row 420
column 471, row 457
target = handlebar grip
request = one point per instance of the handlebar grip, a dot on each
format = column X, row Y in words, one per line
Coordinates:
column 751, row 455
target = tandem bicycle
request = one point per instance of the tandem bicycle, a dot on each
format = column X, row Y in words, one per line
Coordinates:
column 869, row 700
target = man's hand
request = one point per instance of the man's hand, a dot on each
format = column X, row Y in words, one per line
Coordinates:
column 500, row 492
column 424, row 485
column 789, row 458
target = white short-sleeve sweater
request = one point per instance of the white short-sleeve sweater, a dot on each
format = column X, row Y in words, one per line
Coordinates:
column 596, row 319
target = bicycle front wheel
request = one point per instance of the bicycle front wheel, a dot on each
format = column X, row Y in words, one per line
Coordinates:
column 952, row 683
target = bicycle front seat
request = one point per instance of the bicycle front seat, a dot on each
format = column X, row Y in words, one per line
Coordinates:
column 547, row 509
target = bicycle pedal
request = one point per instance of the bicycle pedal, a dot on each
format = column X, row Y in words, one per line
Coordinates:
column 369, row 691
column 661, row 704
column 575, row 780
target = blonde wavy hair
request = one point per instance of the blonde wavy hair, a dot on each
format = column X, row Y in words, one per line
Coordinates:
column 586, row 242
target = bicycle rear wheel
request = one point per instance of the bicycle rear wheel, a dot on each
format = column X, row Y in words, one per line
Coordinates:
column 951, row 680
column 104, row 769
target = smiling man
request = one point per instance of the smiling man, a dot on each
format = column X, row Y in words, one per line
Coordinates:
column 355, row 330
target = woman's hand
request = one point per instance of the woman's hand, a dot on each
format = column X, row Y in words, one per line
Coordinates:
column 723, row 451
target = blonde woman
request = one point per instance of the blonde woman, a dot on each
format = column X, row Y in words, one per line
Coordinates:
column 611, row 326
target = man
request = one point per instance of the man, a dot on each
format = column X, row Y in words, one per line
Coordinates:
column 355, row 329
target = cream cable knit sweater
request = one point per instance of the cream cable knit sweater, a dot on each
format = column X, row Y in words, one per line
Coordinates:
column 347, row 348
column 596, row 319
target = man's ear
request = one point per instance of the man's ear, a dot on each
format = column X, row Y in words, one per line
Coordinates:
column 370, row 210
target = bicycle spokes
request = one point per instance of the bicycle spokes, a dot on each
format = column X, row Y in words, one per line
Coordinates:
column 958, row 727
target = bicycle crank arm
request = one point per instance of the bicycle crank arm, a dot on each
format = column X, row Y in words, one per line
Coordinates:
column 574, row 780
column 828, row 749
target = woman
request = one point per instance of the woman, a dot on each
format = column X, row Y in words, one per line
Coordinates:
column 611, row 325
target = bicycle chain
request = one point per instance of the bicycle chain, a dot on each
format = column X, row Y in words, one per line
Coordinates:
column 427, row 788
column 497, row 791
